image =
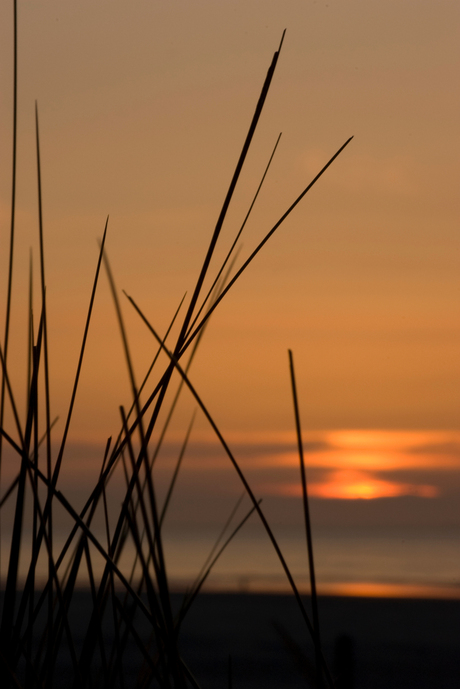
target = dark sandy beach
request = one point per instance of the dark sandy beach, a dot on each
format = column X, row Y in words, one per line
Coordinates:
column 384, row 643
column 395, row 643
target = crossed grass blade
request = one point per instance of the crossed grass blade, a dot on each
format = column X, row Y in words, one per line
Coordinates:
column 87, row 533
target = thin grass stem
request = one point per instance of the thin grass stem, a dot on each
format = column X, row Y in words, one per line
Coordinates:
column 186, row 607
column 80, row 359
column 235, row 241
column 12, row 218
column 303, row 476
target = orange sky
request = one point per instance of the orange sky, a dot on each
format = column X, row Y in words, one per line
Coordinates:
column 143, row 110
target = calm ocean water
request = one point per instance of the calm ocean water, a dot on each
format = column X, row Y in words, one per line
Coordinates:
column 358, row 561
column 361, row 561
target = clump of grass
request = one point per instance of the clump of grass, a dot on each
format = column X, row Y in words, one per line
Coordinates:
column 38, row 634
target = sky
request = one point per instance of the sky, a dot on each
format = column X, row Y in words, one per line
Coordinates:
column 143, row 110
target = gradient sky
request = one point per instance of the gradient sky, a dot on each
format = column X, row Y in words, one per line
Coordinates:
column 143, row 110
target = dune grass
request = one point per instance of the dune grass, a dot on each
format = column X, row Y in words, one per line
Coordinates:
column 37, row 628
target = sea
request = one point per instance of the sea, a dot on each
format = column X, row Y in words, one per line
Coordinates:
column 358, row 562
column 377, row 561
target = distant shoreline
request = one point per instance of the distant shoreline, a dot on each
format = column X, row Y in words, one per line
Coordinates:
column 248, row 586
column 334, row 590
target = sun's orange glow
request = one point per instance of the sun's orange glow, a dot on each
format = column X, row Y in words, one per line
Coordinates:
column 369, row 589
column 352, row 485
column 355, row 485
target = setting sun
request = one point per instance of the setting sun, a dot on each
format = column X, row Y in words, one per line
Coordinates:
column 354, row 485
column 364, row 464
